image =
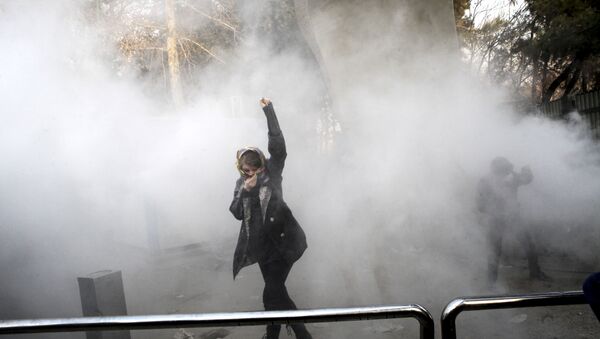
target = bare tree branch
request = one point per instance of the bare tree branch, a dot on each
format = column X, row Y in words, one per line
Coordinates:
column 203, row 48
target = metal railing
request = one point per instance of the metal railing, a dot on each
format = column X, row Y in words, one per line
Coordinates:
column 222, row 319
column 456, row 306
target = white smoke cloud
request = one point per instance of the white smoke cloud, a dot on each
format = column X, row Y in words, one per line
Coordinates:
column 92, row 164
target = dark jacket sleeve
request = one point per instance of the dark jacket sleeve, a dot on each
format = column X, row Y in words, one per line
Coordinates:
column 523, row 178
column 236, row 208
column 276, row 147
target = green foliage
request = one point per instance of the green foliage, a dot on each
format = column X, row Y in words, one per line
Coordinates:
column 566, row 27
column 546, row 48
column 567, row 40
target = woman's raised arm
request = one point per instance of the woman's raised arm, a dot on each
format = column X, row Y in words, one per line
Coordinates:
column 276, row 147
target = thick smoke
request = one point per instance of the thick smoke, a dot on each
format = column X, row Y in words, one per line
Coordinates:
column 98, row 174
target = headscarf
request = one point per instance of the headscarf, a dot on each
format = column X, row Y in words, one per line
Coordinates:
column 243, row 151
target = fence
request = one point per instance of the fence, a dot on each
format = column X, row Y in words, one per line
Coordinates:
column 588, row 105
column 448, row 319
column 222, row 319
column 456, row 306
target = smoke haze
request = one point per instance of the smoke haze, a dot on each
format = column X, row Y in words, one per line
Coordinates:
column 96, row 173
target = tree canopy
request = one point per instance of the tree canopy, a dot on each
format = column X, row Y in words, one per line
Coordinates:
column 544, row 49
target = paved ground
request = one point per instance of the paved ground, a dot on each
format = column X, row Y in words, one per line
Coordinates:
column 200, row 281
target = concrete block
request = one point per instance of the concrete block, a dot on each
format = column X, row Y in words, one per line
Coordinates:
column 102, row 294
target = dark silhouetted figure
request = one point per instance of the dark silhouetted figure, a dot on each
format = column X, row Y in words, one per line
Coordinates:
column 499, row 207
column 269, row 234
column 591, row 290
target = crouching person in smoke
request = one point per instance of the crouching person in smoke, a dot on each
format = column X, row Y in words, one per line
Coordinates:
column 499, row 212
column 269, row 235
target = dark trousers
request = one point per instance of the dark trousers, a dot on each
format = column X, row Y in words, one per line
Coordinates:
column 276, row 297
column 496, row 233
column 591, row 290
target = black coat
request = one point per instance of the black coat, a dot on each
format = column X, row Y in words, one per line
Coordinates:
column 281, row 235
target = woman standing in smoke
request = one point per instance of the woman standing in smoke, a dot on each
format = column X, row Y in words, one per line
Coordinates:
column 269, row 235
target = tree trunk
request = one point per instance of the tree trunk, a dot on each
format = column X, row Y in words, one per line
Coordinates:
column 573, row 70
column 549, row 92
column 573, row 81
column 543, row 80
column 535, row 62
column 327, row 120
column 173, row 54
column 534, row 78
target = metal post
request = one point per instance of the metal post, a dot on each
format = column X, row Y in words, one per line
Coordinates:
column 456, row 306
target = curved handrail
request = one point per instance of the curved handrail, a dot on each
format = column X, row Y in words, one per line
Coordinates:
column 458, row 305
